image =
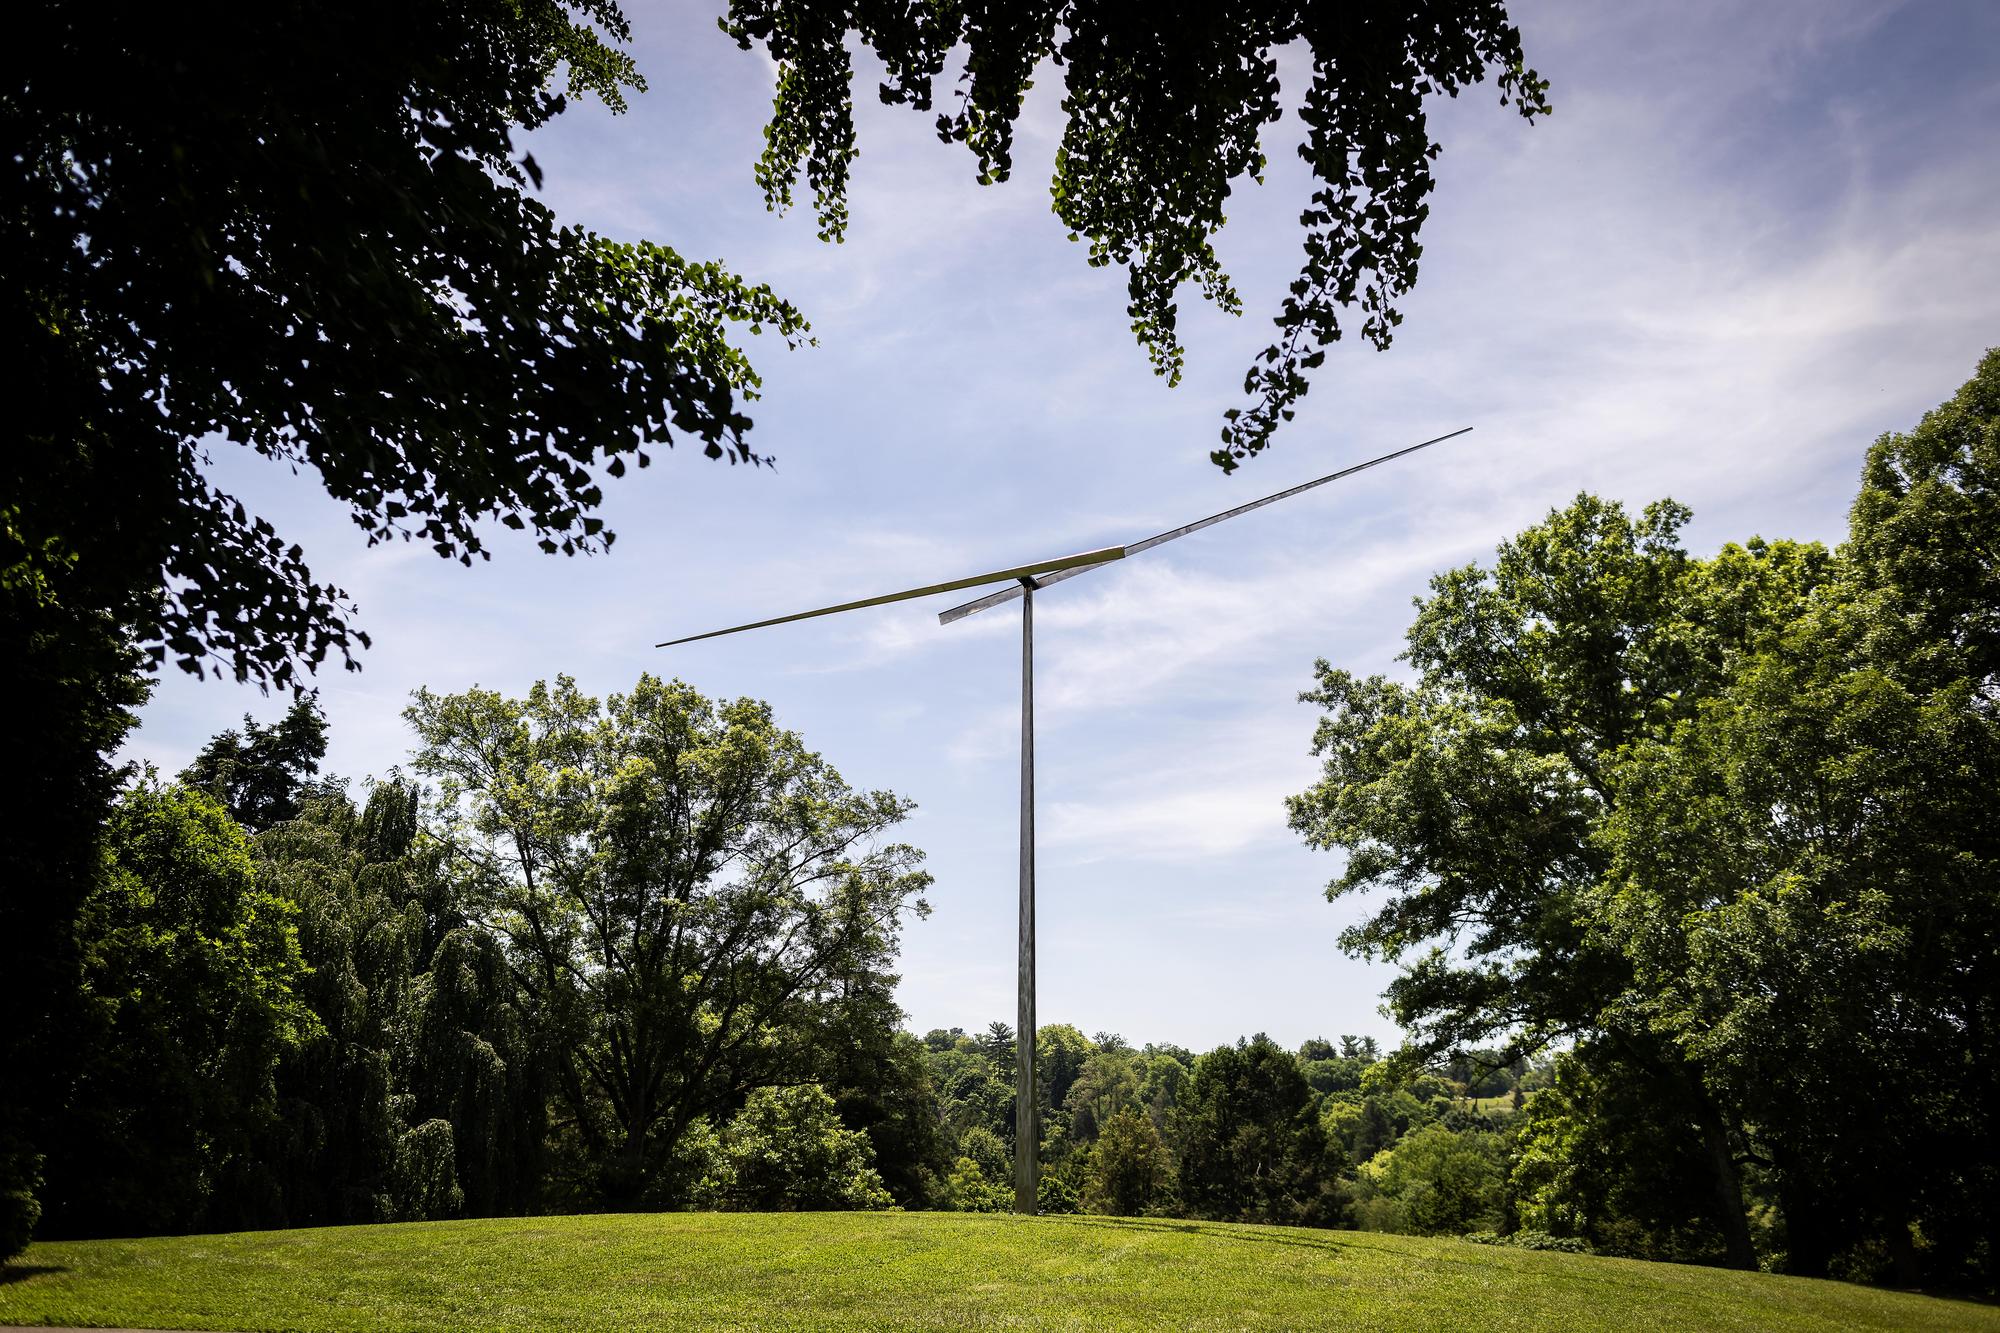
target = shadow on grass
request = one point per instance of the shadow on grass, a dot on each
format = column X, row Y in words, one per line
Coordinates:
column 1356, row 1240
column 1251, row 1233
column 1957, row 1295
column 1188, row 1228
column 22, row 1272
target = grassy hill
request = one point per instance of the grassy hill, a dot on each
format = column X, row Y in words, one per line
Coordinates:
column 894, row 1270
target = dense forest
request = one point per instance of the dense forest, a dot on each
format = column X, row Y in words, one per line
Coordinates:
column 311, row 1009
column 1690, row 863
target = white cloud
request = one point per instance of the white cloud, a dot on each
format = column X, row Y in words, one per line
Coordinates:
column 1199, row 815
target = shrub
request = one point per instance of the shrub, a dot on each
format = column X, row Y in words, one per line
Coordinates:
column 20, row 1176
column 1530, row 1239
column 1437, row 1181
column 787, row 1150
column 1055, row 1195
column 968, row 1190
column 1131, row 1172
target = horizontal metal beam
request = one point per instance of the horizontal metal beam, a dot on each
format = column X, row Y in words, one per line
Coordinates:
column 1009, row 594
column 1065, row 565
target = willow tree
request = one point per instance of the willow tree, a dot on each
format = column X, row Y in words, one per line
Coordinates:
column 421, row 1090
column 688, row 897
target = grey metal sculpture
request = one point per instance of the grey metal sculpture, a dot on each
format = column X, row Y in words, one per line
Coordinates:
column 1023, row 581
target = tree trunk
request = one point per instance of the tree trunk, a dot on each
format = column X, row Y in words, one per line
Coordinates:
column 1808, row 1250
column 1726, row 1180
column 70, row 682
column 1905, row 1266
column 622, row 1177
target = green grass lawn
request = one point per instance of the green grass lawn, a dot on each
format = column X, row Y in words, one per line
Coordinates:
column 904, row 1270
column 1504, row 1102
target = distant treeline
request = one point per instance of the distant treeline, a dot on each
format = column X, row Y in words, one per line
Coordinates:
column 1329, row 1135
column 304, row 1009
column 621, row 956
column 345, row 1016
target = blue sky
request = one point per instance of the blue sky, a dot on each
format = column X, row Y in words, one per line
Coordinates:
column 1751, row 238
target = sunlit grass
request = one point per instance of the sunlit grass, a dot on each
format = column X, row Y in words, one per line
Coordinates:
column 895, row 1270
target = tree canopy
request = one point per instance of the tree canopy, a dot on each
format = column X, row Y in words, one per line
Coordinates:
column 1723, row 825
column 261, row 774
column 282, row 231
column 694, row 903
column 305, row 231
column 1164, row 111
column 190, row 969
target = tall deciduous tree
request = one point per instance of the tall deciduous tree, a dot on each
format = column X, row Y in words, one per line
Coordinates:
column 688, row 894
column 1060, row 1053
column 1477, row 794
column 1252, row 1148
column 189, row 968
column 1806, row 872
column 1727, row 822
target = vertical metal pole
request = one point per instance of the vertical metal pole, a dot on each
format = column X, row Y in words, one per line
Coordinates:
column 1027, row 1130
